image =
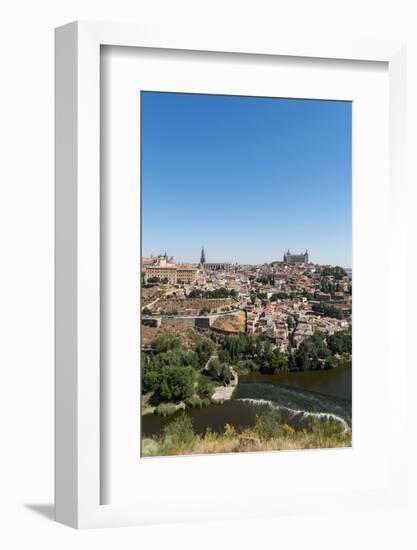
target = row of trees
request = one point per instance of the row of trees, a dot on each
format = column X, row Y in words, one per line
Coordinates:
column 279, row 296
column 327, row 285
column 320, row 351
column 176, row 373
column 329, row 311
column 163, row 281
column 216, row 293
column 255, row 353
column 258, row 296
column 274, row 297
column 337, row 272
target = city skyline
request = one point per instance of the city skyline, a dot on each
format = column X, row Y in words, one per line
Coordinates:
column 210, row 259
column 248, row 178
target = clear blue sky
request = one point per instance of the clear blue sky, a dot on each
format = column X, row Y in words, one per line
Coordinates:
column 247, row 177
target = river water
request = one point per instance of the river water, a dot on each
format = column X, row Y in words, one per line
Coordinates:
column 297, row 397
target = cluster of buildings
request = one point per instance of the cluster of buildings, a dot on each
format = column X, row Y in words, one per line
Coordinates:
column 283, row 296
column 164, row 268
column 278, row 297
column 288, row 322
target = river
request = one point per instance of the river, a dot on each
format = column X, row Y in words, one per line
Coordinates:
column 296, row 396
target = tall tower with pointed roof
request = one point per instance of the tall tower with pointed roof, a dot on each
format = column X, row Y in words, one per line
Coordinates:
column 202, row 257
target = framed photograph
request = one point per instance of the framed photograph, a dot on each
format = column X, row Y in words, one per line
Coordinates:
column 226, row 323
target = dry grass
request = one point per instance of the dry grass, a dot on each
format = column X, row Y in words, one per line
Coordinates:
column 191, row 306
column 322, row 435
column 152, row 293
column 188, row 335
column 231, row 323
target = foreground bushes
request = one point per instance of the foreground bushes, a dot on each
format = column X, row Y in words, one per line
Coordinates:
column 178, row 437
column 165, row 409
column 268, row 434
column 196, row 401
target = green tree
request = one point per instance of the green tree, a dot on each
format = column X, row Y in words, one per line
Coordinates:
column 267, row 350
column 214, row 368
column 279, row 361
column 312, row 353
column 226, row 373
column 177, row 384
column 164, row 343
column 340, row 341
column 328, row 310
column 151, row 378
column 337, row 272
column 224, row 355
column 279, row 296
column 325, row 285
column 204, row 348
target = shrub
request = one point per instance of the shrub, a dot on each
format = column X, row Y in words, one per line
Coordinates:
column 242, row 370
column 326, row 428
column 244, row 366
column 205, row 387
column 165, row 409
column 288, row 430
column 193, row 401
column 267, row 426
column 331, row 362
column 345, row 360
column 178, row 437
column 205, row 402
column 229, row 431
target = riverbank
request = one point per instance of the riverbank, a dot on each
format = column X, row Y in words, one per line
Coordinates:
column 179, row 438
column 220, row 394
column 225, row 392
column 298, row 396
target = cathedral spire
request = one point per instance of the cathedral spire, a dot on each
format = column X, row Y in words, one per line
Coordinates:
column 202, row 256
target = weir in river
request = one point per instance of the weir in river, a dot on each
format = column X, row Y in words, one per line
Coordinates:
column 297, row 398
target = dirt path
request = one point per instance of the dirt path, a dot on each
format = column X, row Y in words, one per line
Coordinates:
column 223, row 393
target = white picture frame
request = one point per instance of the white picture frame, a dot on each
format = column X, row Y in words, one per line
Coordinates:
column 78, row 264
